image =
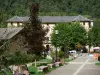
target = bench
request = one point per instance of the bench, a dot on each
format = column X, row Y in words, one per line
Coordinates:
column 29, row 64
column 42, row 68
column 57, row 64
column 50, row 65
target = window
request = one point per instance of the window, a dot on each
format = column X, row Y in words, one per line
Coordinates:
column 20, row 24
column 15, row 24
column 47, row 38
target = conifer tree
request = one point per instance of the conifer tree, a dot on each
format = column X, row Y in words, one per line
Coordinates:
column 33, row 31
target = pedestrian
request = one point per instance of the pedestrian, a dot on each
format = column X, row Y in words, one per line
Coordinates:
column 47, row 49
column 26, row 67
column 16, row 72
column 25, row 70
column 78, row 51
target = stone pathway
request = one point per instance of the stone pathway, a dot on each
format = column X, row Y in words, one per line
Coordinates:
column 83, row 65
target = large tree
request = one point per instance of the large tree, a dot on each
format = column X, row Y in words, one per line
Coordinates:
column 33, row 31
column 69, row 34
column 94, row 34
column 49, row 7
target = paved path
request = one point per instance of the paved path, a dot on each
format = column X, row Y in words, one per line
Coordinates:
column 83, row 65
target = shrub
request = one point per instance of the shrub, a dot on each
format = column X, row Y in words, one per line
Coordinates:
column 61, row 54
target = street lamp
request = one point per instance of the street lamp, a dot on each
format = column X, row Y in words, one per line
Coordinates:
column 88, row 44
column 56, row 32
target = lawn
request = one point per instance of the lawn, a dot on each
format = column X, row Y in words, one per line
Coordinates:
column 50, row 61
column 33, row 70
column 67, row 60
column 45, row 60
column 97, row 63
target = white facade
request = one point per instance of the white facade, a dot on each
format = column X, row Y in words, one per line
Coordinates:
column 86, row 25
column 51, row 26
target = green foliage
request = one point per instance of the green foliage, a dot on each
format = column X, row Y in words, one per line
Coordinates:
column 3, row 55
column 3, row 25
column 94, row 34
column 10, row 8
column 61, row 54
column 52, row 54
column 97, row 63
column 69, row 35
column 67, row 60
column 45, row 60
column 19, row 58
column 33, row 32
column 32, row 69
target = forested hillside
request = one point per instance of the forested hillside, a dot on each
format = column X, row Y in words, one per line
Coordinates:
column 9, row 8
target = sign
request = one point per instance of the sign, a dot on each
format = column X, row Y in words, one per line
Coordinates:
column 95, row 57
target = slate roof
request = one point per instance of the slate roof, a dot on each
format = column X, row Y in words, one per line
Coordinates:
column 8, row 33
column 50, row 19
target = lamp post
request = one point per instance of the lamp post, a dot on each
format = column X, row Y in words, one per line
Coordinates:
column 88, row 44
column 56, row 32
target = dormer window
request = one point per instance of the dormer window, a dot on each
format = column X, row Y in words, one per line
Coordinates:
column 20, row 24
column 15, row 24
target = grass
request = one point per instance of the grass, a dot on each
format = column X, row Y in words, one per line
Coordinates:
column 67, row 60
column 97, row 63
column 8, row 73
column 45, row 60
column 33, row 70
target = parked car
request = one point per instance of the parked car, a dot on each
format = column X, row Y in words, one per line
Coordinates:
column 73, row 53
